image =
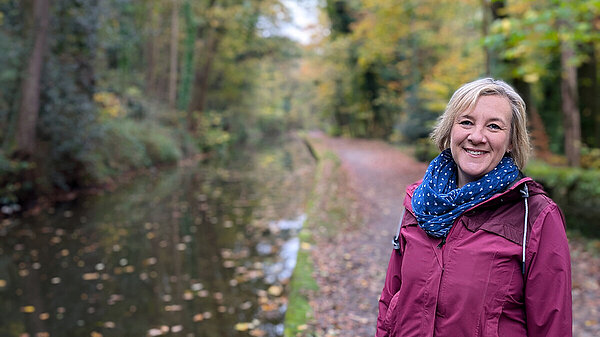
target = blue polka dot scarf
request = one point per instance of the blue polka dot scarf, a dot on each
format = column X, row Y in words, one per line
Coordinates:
column 438, row 201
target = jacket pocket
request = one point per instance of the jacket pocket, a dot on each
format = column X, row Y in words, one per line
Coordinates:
column 387, row 323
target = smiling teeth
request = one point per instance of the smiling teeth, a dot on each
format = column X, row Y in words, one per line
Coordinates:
column 475, row 152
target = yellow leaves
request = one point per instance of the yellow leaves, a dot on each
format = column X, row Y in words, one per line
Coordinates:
column 252, row 326
column 110, row 104
column 242, row 326
column 531, row 78
column 28, row 309
column 3, row 283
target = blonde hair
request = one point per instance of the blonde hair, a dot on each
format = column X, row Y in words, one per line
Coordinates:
column 466, row 97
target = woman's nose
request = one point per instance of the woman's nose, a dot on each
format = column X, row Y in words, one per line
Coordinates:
column 477, row 136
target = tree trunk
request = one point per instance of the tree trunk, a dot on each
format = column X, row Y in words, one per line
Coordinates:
column 568, row 90
column 587, row 81
column 188, row 66
column 173, row 53
column 201, row 81
column 484, row 31
column 151, row 50
column 30, row 92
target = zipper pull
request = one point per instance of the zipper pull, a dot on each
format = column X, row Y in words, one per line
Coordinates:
column 442, row 243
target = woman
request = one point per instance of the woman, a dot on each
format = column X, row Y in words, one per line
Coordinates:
column 481, row 249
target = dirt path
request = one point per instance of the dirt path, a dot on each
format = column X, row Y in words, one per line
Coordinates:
column 351, row 266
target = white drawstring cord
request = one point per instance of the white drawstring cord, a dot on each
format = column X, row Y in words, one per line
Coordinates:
column 525, row 193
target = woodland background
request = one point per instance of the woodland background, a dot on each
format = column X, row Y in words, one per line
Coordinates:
column 92, row 90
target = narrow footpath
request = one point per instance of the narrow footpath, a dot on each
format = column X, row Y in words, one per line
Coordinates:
column 351, row 264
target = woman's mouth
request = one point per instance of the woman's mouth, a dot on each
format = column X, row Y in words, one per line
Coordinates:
column 474, row 152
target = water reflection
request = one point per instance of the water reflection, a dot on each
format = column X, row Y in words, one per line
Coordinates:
column 198, row 251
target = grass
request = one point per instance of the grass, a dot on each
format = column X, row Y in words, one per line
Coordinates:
column 299, row 310
column 330, row 209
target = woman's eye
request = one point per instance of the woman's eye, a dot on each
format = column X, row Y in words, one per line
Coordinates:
column 465, row 123
column 494, row 126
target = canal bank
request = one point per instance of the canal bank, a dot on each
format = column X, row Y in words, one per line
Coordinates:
column 352, row 213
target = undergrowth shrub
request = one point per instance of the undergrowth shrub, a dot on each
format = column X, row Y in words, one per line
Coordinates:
column 577, row 192
column 128, row 144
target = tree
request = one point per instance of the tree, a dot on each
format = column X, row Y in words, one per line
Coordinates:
column 568, row 91
column 30, row 101
column 173, row 53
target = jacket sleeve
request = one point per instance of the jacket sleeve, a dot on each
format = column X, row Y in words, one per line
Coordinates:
column 391, row 286
column 548, row 283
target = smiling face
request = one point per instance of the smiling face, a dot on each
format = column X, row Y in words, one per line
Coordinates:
column 480, row 137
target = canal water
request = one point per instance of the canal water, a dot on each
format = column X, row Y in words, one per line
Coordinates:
column 204, row 249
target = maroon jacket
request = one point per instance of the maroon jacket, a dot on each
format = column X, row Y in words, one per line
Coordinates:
column 473, row 285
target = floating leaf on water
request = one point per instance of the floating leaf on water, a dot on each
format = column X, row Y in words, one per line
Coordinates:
column 242, row 326
column 109, row 325
column 154, row 332
column 150, row 235
column 181, row 247
column 176, row 328
column 203, row 293
column 198, row 317
column 2, row 283
column 275, row 290
column 36, row 266
column 233, row 282
column 268, row 307
column 221, row 309
column 150, row 261
column 114, row 298
column 44, row 316
column 167, row 298
column 228, row 264
column 95, row 334
column 188, row 295
column 23, row 272
column 218, row 296
column 173, row 308
column 257, row 333
column 28, row 309
column 197, row 286
column 246, row 305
